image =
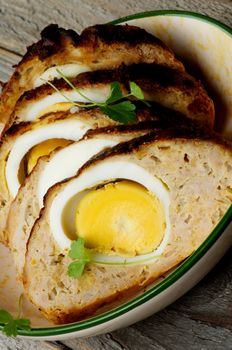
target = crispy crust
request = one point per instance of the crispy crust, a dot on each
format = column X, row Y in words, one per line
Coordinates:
column 53, row 38
column 162, row 84
column 184, row 132
column 144, row 74
column 153, row 118
column 100, row 46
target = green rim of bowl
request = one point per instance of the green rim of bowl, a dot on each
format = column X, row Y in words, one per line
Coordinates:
column 178, row 13
column 186, row 265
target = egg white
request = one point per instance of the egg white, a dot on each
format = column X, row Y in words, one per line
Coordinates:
column 65, row 129
column 35, row 108
column 70, row 70
column 66, row 162
column 100, row 173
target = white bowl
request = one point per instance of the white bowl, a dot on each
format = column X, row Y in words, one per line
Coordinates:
column 205, row 45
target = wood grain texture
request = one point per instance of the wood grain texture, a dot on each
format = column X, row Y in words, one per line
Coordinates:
column 7, row 60
column 200, row 320
column 22, row 20
column 18, row 344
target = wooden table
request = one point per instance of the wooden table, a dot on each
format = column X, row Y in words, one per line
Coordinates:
column 200, row 320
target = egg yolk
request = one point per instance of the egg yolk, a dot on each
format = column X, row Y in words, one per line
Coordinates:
column 42, row 149
column 122, row 218
column 56, row 107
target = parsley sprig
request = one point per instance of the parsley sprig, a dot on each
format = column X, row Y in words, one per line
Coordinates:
column 117, row 105
column 80, row 256
column 11, row 324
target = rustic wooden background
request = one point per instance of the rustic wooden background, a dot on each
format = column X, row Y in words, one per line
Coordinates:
column 200, row 320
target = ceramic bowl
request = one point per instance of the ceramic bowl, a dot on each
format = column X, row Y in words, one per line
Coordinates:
column 205, row 45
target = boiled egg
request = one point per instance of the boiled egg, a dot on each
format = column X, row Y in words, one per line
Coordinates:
column 57, row 107
column 42, row 149
column 70, row 70
column 68, row 161
column 121, row 217
column 30, row 145
column 120, row 210
column 39, row 105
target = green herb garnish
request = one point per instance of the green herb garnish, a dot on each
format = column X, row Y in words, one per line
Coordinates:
column 117, row 106
column 82, row 256
column 79, row 254
column 11, row 324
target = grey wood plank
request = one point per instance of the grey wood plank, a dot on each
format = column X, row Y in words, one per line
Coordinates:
column 7, row 60
column 21, row 344
column 22, row 20
column 203, row 318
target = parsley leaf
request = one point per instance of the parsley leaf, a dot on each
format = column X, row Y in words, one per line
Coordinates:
column 136, row 91
column 23, row 323
column 79, row 254
column 10, row 329
column 5, row 316
column 11, row 325
column 77, row 249
column 115, row 93
column 76, row 269
column 123, row 112
column 113, row 107
column 82, row 256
